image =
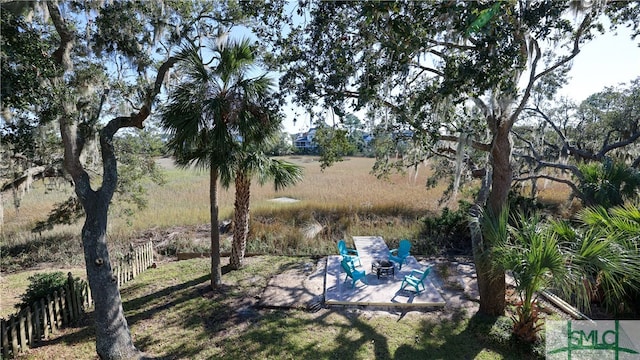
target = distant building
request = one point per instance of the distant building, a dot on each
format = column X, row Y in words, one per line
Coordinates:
column 304, row 141
column 367, row 138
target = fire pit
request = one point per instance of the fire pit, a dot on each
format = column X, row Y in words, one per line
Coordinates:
column 383, row 268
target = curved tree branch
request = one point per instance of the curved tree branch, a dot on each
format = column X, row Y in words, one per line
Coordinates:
column 62, row 55
column 533, row 77
column 474, row 144
column 606, row 148
column 68, row 128
column 110, row 174
column 569, row 183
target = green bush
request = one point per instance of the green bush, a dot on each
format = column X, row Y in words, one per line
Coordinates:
column 448, row 232
column 40, row 285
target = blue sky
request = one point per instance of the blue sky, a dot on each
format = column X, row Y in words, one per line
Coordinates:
column 608, row 60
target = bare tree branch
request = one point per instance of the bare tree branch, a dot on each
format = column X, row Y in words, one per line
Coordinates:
column 425, row 68
column 474, row 144
column 68, row 128
column 109, row 164
column 62, row 55
column 605, row 149
column 546, row 118
column 533, row 77
column 450, row 45
column 536, row 155
column 569, row 183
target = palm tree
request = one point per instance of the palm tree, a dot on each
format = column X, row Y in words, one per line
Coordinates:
column 254, row 162
column 606, row 247
column 536, row 261
column 602, row 253
column 214, row 106
column 609, row 183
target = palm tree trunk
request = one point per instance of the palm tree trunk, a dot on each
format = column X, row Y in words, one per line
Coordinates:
column 216, row 270
column 241, row 220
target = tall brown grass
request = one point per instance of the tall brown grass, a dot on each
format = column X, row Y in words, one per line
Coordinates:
column 339, row 202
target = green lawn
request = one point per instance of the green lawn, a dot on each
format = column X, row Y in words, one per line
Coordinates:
column 173, row 314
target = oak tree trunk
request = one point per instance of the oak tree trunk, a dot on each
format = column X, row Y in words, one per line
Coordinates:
column 241, row 220
column 491, row 278
column 113, row 338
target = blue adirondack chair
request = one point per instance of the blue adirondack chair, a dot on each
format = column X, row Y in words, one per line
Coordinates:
column 348, row 253
column 416, row 279
column 400, row 254
column 350, row 269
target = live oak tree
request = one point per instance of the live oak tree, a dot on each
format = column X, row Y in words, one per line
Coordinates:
column 25, row 147
column 445, row 72
column 593, row 147
column 108, row 60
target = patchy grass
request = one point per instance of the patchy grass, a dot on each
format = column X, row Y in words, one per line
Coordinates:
column 173, row 314
column 13, row 286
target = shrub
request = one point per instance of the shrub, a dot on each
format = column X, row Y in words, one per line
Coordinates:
column 41, row 285
column 449, row 231
column 609, row 183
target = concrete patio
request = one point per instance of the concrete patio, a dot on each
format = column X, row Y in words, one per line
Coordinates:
column 379, row 292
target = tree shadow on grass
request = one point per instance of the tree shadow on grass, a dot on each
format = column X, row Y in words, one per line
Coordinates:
column 194, row 308
column 190, row 305
column 482, row 334
column 271, row 338
column 341, row 334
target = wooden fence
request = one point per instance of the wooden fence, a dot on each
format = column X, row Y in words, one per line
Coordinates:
column 64, row 307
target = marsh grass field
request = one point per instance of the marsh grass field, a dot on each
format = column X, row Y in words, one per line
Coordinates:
column 343, row 200
column 172, row 314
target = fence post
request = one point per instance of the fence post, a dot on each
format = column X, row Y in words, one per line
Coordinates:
column 14, row 335
column 73, row 300
column 22, row 329
column 5, row 338
column 36, row 323
column 118, row 267
column 29, row 327
column 45, row 325
column 146, row 256
column 52, row 315
column 56, row 309
column 84, row 294
column 78, row 301
column 89, row 297
column 132, row 259
column 137, row 258
column 150, row 253
column 63, row 306
column 129, row 270
column 143, row 256
column 69, row 302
